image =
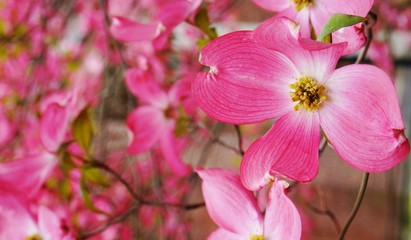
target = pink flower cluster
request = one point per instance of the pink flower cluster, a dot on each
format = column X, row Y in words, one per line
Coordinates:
column 63, row 63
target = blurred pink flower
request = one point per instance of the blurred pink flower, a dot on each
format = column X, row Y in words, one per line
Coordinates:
column 380, row 54
column 271, row 73
column 27, row 174
column 164, row 17
column 18, row 222
column 315, row 13
column 7, row 128
column 234, row 209
column 154, row 121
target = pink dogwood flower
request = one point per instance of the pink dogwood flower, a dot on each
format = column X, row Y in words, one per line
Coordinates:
column 154, row 121
column 18, row 222
column 27, row 174
column 166, row 16
column 313, row 14
column 234, row 209
column 270, row 73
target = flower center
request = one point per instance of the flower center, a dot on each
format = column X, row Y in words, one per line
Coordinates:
column 300, row 4
column 34, row 237
column 257, row 237
column 170, row 112
column 307, row 93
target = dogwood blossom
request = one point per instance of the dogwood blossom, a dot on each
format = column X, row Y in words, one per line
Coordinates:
column 312, row 15
column 234, row 209
column 154, row 121
column 271, row 73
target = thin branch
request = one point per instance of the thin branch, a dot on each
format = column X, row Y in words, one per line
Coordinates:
column 323, row 145
column 323, row 209
column 240, row 139
column 357, row 205
column 136, row 197
column 369, row 23
column 327, row 212
column 100, row 165
column 225, row 145
column 122, row 217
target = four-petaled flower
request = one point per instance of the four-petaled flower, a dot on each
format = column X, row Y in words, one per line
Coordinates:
column 154, row 121
column 272, row 73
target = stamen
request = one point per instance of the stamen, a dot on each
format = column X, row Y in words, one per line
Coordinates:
column 307, row 93
column 257, row 237
column 34, row 237
column 300, row 4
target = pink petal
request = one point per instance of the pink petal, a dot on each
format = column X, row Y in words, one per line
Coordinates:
column 246, row 83
column 278, row 33
column 362, row 118
column 173, row 12
column 6, row 128
column 15, row 220
column 289, row 148
column 147, row 125
column 302, row 18
column 49, row 224
column 311, row 58
column 27, row 174
column 171, row 155
column 353, row 35
column 350, row 7
column 229, row 204
column 221, row 233
column 380, row 54
column 319, row 15
column 273, row 6
column 143, row 86
column 282, row 220
column 53, row 126
column 126, row 30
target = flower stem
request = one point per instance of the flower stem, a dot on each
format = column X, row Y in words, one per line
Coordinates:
column 371, row 20
column 357, row 204
column 240, row 139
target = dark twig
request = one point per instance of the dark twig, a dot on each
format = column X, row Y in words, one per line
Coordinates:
column 327, row 212
column 240, row 139
column 323, row 145
column 122, row 217
column 323, row 209
column 357, row 205
column 225, row 145
column 369, row 23
column 136, row 197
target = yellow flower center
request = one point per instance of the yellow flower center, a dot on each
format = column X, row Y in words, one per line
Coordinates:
column 257, row 237
column 300, row 4
column 307, row 93
column 34, row 237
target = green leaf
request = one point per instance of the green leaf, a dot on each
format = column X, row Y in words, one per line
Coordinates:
column 82, row 130
column 85, row 193
column 336, row 22
column 202, row 21
column 201, row 42
column 182, row 123
column 95, row 176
